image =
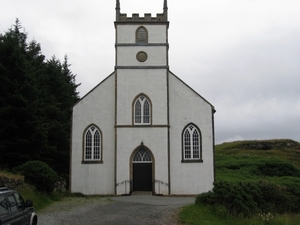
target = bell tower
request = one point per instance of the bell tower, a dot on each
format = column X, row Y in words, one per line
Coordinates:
column 141, row 41
column 141, row 90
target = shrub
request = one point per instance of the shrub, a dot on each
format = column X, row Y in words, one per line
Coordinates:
column 277, row 168
column 39, row 174
column 248, row 199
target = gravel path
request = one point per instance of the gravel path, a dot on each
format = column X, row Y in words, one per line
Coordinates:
column 129, row 210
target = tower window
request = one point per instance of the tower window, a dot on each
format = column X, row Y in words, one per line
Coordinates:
column 141, row 35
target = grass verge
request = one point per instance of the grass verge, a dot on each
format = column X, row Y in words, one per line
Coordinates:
column 40, row 199
column 200, row 214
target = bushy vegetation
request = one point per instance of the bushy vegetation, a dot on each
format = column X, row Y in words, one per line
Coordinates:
column 40, row 175
column 250, row 199
column 40, row 199
column 257, row 182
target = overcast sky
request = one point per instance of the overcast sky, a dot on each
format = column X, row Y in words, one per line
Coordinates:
column 243, row 56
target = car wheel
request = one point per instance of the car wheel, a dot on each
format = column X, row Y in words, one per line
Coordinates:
column 34, row 222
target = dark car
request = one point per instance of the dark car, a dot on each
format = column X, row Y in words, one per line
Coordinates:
column 13, row 209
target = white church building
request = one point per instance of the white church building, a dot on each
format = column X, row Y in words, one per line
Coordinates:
column 142, row 128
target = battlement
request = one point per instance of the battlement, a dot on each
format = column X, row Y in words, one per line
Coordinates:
column 122, row 17
column 160, row 17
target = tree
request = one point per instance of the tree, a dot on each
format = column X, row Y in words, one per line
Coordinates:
column 35, row 100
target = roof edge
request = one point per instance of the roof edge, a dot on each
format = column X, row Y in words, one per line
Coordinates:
column 213, row 108
column 93, row 89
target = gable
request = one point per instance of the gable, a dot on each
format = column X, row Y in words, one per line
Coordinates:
column 179, row 88
column 95, row 91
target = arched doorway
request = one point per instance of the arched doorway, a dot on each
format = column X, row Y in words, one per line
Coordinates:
column 142, row 170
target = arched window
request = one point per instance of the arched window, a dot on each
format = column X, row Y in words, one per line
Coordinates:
column 141, row 35
column 142, row 155
column 191, row 143
column 142, row 110
column 92, row 144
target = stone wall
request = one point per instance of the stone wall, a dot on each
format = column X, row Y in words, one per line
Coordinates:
column 11, row 182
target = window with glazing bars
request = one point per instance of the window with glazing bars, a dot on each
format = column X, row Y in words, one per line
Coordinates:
column 191, row 143
column 92, row 144
column 142, row 110
column 142, row 155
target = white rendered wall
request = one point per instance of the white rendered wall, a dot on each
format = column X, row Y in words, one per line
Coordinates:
column 126, row 55
column 95, row 108
column 155, row 139
column 186, row 106
column 132, row 82
column 152, row 83
column 156, row 33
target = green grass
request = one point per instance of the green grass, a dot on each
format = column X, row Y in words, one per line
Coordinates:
column 241, row 161
column 244, row 168
column 196, row 215
column 40, row 199
column 286, row 150
column 235, row 162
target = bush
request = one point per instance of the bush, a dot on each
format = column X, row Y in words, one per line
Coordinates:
column 40, row 175
column 277, row 168
column 248, row 199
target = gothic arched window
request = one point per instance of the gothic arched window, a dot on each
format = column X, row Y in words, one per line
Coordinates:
column 141, row 35
column 142, row 155
column 92, row 144
column 191, row 143
column 142, row 110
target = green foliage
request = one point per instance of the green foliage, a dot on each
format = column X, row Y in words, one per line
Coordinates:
column 35, row 97
column 40, row 175
column 200, row 214
column 249, row 199
column 283, row 150
column 40, row 199
column 277, row 169
column 207, row 215
column 268, row 194
column 280, row 165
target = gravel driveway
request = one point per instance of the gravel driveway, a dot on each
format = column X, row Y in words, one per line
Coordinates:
column 125, row 210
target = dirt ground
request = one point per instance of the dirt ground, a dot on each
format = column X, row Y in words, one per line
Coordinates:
column 112, row 211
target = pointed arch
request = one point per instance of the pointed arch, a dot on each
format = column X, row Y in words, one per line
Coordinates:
column 144, row 151
column 142, row 110
column 139, row 156
column 191, row 144
column 92, row 145
column 142, row 155
column 141, row 35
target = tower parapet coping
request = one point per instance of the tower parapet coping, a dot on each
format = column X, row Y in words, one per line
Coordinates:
column 160, row 17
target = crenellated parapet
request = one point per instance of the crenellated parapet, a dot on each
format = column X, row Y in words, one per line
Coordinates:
column 160, row 17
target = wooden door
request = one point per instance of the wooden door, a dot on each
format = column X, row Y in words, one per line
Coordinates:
column 142, row 176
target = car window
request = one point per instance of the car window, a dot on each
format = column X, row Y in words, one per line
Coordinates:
column 12, row 203
column 20, row 201
column 3, row 205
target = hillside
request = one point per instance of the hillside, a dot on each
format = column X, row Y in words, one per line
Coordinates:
column 273, row 160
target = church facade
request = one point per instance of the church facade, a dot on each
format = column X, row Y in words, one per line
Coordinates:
column 142, row 128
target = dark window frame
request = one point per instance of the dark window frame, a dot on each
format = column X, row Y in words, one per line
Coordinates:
column 191, row 144
column 144, row 115
column 95, row 143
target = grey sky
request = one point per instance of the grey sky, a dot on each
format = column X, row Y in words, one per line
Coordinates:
column 242, row 56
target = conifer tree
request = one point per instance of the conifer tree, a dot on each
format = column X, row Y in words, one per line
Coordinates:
column 35, row 100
